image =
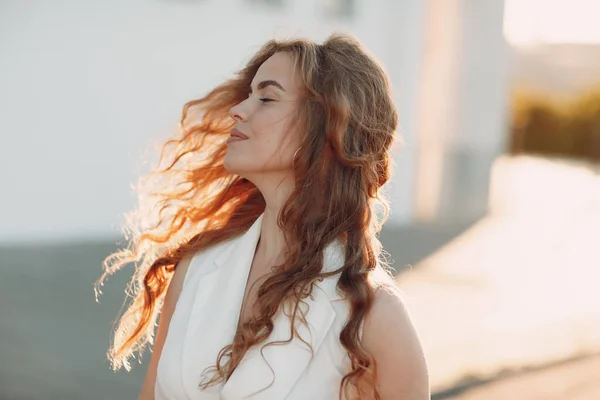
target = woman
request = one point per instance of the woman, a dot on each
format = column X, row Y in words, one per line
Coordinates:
column 263, row 260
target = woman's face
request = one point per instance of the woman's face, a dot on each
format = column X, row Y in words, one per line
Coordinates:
column 264, row 118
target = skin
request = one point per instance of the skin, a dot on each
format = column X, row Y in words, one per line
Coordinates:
column 265, row 159
column 390, row 337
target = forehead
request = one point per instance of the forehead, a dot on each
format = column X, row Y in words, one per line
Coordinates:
column 279, row 67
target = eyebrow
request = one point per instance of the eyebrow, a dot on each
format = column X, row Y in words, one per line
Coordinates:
column 264, row 84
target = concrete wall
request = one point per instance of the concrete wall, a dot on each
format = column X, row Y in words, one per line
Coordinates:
column 87, row 88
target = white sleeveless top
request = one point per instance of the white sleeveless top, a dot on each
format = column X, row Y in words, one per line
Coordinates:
column 205, row 320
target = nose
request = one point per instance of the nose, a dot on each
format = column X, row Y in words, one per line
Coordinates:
column 237, row 113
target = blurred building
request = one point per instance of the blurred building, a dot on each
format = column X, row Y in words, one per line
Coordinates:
column 89, row 87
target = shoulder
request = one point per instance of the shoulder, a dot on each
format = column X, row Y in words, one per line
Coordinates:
column 391, row 338
column 388, row 311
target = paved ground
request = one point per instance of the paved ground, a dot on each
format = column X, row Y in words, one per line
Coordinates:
column 53, row 336
column 573, row 380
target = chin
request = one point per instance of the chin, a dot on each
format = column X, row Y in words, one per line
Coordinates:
column 233, row 167
column 228, row 167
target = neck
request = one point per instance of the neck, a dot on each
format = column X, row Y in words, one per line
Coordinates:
column 271, row 245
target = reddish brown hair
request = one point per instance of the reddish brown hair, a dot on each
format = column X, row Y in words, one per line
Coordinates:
column 348, row 122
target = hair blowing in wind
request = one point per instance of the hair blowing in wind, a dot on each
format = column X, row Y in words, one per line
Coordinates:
column 190, row 202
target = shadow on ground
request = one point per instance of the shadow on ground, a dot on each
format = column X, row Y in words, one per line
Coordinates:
column 409, row 245
column 54, row 334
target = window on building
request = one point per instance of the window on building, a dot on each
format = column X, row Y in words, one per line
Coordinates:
column 339, row 8
column 274, row 3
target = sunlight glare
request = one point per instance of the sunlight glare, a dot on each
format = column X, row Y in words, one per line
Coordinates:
column 528, row 22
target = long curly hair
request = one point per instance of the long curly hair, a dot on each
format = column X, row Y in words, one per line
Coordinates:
column 190, row 202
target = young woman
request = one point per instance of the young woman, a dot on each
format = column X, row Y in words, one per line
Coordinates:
column 261, row 253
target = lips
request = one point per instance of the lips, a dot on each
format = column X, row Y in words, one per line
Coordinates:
column 237, row 134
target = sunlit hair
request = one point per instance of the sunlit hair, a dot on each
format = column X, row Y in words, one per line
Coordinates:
column 189, row 201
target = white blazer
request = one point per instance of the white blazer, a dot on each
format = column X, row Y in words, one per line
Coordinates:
column 205, row 319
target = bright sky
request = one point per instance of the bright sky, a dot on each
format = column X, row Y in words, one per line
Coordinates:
column 552, row 21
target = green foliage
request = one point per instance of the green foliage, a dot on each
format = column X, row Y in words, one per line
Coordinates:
column 557, row 127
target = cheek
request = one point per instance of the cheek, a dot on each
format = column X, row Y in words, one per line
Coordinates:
column 275, row 146
column 275, row 138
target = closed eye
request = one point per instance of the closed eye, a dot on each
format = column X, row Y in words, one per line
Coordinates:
column 263, row 99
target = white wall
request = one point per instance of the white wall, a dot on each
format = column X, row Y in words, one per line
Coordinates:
column 86, row 87
column 462, row 108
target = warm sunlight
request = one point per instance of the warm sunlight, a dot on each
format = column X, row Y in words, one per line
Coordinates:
column 552, row 21
column 519, row 287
